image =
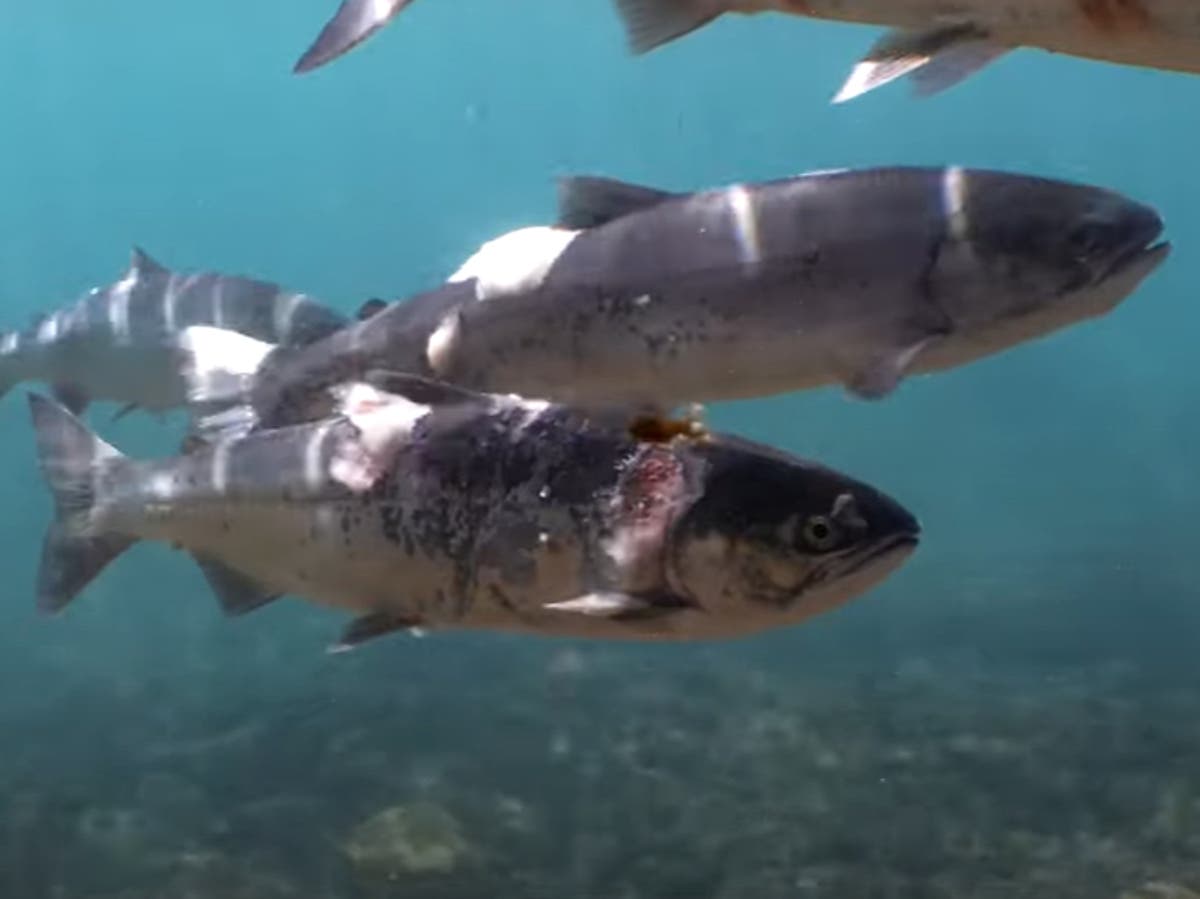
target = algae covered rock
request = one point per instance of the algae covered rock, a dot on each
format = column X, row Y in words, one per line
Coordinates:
column 417, row 838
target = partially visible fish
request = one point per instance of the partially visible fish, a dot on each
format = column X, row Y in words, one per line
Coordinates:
column 119, row 342
column 647, row 299
column 353, row 23
column 942, row 42
column 424, row 506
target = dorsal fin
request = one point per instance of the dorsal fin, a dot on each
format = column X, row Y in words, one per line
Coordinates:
column 586, row 201
column 143, row 263
column 371, row 308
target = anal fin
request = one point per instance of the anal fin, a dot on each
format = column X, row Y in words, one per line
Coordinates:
column 372, row 625
column 652, row 23
column 236, row 592
column 947, row 54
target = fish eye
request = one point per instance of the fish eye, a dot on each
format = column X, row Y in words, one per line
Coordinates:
column 820, row 533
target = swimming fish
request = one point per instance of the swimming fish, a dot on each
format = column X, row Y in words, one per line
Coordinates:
column 646, row 299
column 119, row 342
column 353, row 23
column 942, row 42
column 421, row 505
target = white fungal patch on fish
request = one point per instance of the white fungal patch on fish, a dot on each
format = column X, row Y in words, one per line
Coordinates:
column 741, row 204
column 954, row 201
column 514, row 262
column 384, row 422
column 9, row 342
column 442, row 343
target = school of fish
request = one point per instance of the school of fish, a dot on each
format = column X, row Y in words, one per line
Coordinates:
column 521, row 447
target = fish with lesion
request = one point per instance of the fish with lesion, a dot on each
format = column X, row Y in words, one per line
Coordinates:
column 433, row 507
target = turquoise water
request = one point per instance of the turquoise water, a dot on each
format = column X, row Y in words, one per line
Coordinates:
column 1013, row 714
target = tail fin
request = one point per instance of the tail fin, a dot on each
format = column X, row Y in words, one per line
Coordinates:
column 74, row 462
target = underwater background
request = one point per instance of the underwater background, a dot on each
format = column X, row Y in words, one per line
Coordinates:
column 1015, row 713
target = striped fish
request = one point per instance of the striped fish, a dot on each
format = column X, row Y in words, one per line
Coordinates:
column 118, row 343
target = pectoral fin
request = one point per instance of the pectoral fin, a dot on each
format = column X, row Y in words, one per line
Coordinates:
column 938, row 58
column 618, row 606
column 880, row 375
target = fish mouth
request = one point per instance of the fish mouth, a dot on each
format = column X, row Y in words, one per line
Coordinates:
column 1148, row 250
column 831, row 586
column 896, row 546
column 903, row 543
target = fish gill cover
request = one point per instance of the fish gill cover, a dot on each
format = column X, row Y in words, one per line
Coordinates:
column 968, row 318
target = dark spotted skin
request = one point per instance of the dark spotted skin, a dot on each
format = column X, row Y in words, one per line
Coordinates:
column 505, row 514
column 485, row 512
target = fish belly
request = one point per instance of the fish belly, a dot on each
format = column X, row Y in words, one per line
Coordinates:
column 354, row 556
column 322, row 552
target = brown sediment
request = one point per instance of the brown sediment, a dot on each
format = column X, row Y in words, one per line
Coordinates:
column 1115, row 15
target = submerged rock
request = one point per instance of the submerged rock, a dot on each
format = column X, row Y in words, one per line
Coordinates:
column 418, row 838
